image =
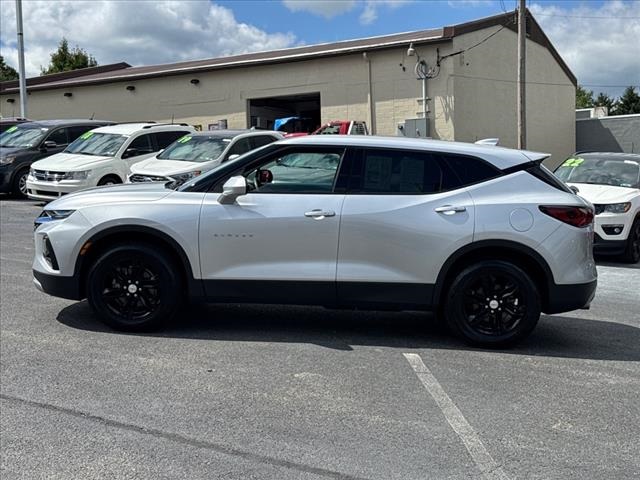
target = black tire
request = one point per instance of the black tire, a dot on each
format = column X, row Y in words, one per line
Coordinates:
column 19, row 184
column 109, row 180
column 122, row 303
column 508, row 316
column 632, row 250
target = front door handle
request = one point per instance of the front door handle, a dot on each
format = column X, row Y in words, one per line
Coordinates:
column 319, row 214
column 450, row 209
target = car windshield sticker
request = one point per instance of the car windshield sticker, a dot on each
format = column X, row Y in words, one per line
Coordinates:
column 573, row 162
column 86, row 135
column 184, row 139
column 12, row 129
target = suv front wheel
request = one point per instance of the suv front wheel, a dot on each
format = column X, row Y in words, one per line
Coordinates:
column 492, row 304
column 134, row 287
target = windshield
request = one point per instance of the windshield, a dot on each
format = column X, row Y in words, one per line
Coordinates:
column 600, row 171
column 195, row 149
column 95, row 143
column 24, row 137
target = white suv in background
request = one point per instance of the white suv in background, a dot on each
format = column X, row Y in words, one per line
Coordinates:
column 611, row 181
column 195, row 154
column 484, row 235
column 102, row 156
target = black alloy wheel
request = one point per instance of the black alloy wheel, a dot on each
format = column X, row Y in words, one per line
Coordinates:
column 632, row 250
column 493, row 304
column 134, row 288
column 109, row 180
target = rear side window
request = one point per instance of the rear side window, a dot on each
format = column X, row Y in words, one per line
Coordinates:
column 542, row 173
column 164, row 139
column 378, row 171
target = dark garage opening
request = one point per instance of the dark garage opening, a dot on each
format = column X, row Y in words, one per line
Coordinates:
column 263, row 112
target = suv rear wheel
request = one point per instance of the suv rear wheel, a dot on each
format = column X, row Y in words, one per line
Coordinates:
column 492, row 304
column 134, row 287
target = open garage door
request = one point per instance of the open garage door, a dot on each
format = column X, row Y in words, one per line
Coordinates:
column 302, row 110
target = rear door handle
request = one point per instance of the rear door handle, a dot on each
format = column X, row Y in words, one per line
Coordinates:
column 319, row 214
column 450, row 209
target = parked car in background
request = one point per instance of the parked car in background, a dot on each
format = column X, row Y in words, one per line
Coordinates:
column 8, row 122
column 485, row 235
column 337, row 127
column 100, row 157
column 611, row 181
column 192, row 155
column 26, row 142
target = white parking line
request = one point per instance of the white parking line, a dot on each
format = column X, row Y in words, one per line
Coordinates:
column 482, row 458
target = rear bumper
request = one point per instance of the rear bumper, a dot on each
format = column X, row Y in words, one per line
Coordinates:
column 564, row 298
column 57, row 286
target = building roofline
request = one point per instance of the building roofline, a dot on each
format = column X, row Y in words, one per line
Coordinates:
column 125, row 73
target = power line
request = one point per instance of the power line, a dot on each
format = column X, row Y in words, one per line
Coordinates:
column 537, row 83
column 536, row 14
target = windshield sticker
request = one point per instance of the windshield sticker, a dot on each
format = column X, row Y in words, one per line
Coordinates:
column 12, row 129
column 573, row 162
column 184, row 139
column 86, row 135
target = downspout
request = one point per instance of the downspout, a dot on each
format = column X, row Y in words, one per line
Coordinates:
column 372, row 117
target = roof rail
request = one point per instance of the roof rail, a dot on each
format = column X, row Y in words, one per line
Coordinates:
column 163, row 124
column 137, row 121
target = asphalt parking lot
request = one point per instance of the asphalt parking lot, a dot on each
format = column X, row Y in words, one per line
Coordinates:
column 244, row 392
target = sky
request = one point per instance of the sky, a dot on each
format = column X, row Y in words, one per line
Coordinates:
column 598, row 39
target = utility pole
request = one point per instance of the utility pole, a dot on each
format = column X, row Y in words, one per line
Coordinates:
column 23, row 81
column 522, row 56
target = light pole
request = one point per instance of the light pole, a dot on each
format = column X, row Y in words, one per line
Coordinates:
column 22, row 79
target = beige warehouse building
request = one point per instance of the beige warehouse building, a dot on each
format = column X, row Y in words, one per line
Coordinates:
column 471, row 93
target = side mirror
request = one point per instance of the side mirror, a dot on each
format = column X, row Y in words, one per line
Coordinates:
column 574, row 189
column 232, row 189
column 48, row 144
column 130, row 152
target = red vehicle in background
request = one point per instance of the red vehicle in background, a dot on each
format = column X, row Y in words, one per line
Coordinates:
column 337, row 127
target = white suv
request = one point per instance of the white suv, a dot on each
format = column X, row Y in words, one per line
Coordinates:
column 485, row 235
column 102, row 156
column 611, row 181
column 193, row 155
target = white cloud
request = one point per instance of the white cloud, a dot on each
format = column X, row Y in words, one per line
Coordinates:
column 370, row 12
column 599, row 43
column 323, row 8
column 140, row 33
column 469, row 3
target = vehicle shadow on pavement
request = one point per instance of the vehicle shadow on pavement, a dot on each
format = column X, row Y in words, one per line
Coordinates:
column 555, row 336
column 602, row 261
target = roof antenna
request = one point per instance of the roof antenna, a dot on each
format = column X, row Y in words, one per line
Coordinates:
column 172, row 118
column 92, row 115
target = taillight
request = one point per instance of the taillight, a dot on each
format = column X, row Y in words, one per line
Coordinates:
column 577, row 216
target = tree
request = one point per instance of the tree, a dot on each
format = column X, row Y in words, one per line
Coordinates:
column 584, row 97
column 7, row 72
column 63, row 59
column 604, row 100
column 628, row 103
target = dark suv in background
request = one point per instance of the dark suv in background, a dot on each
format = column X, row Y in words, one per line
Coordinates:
column 8, row 122
column 24, row 143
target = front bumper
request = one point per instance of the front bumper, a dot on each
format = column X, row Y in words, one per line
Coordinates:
column 565, row 298
column 43, row 190
column 58, row 286
column 608, row 247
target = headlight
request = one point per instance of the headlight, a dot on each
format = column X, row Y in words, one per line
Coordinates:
column 618, row 207
column 75, row 175
column 184, row 177
column 8, row 159
column 51, row 215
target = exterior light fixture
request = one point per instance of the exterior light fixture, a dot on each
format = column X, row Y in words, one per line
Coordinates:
column 130, row 88
column 411, row 51
column 194, row 81
column 68, row 94
column 11, row 100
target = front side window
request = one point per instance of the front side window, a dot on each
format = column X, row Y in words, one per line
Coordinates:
column 94, row 143
column 59, row 136
column 139, row 146
column 241, row 146
column 296, row 172
column 196, row 148
column 600, row 171
column 22, row 137
column 258, row 141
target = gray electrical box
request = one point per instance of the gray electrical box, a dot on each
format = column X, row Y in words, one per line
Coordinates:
column 415, row 128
